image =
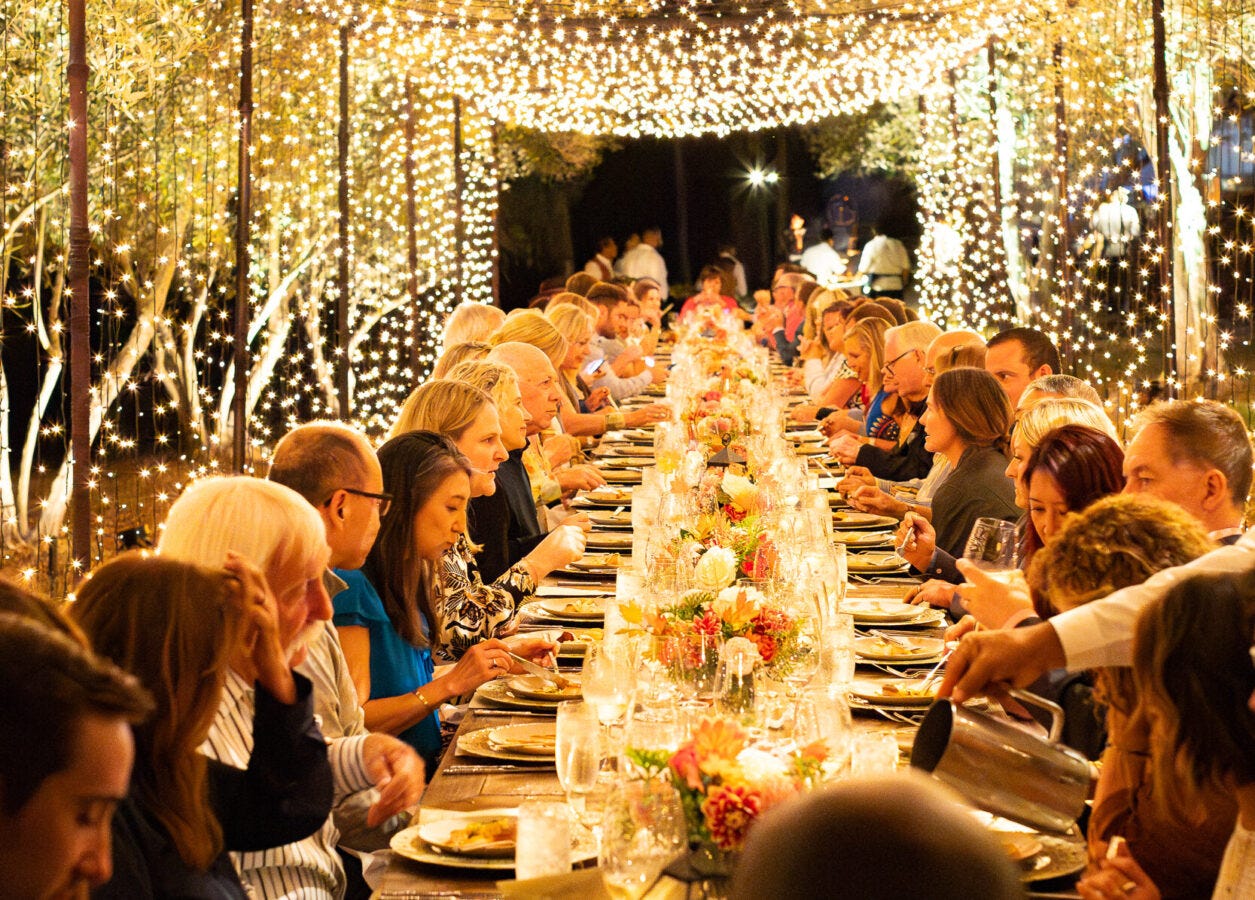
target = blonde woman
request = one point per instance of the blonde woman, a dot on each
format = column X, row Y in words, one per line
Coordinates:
column 466, row 609
column 471, row 322
column 455, row 354
column 582, row 411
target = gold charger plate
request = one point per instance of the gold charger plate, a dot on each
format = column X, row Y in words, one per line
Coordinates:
column 497, row 692
column 533, row 687
column 629, row 450
column 621, row 476
column 872, row 693
column 409, row 844
column 879, row 650
column 610, row 540
column 880, row 612
column 479, row 743
column 597, row 562
column 611, row 519
column 863, row 538
column 539, row 739
column 861, row 520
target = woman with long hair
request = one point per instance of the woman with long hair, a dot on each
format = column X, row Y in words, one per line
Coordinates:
column 387, row 617
column 968, row 420
column 469, row 610
column 1193, row 667
column 864, row 346
column 180, row 629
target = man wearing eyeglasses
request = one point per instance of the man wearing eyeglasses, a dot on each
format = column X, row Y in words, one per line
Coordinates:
column 335, row 469
column 905, row 349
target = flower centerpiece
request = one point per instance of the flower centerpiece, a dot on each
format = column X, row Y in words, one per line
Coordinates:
column 725, row 783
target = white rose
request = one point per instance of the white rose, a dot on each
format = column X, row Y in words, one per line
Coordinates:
column 741, row 491
column 716, row 569
column 741, row 649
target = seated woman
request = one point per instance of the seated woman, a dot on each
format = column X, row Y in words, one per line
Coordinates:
column 1192, row 653
column 387, row 617
column 180, row 629
column 828, row 378
column 471, row 321
column 469, row 610
column 711, row 298
column 863, row 414
column 1033, row 426
column 1116, row 542
column 578, row 417
column 967, row 421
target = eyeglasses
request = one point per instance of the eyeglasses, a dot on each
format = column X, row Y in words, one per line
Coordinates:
column 888, row 367
column 384, row 501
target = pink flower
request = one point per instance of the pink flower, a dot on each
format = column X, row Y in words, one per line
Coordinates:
column 729, row 812
column 684, row 764
column 707, row 623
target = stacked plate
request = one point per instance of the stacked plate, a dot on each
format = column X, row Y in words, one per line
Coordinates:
column 893, row 693
column 620, row 541
column 903, row 648
column 480, row 840
column 890, row 612
column 599, row 565
column 861, row 521
column 863, row 538
column 581, row 638
column 875, row 564
column 578, row 609
column 617, row 520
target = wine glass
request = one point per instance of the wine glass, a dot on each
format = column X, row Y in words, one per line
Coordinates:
column 692, row 660
column 606, row 683
column 577, row 754
column 992, row 545
column 643, row 829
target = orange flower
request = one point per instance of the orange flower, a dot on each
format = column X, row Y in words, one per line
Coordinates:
column 718, row 739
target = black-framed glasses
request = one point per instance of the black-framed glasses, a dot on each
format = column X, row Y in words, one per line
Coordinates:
column 888, row 367
column 384, row 500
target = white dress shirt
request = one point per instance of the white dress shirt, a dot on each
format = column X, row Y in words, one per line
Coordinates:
column 643, row 261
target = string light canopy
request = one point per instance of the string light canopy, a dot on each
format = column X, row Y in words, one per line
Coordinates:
column 666, row 69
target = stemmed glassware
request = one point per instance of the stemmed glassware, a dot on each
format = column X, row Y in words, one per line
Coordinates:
column 578, row 755
column 992, row 545
column 643, row 829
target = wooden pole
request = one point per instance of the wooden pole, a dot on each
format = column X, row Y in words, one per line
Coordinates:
column 1163, row 165
column 459, row 188
column 243, row 255
column 991, row 55
column 417, row 333
column 342, row 261
column 80, row 291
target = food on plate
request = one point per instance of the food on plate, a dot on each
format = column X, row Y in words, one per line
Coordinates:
column 483, row 833
column 582, row 606
column 881, row 647
column 902, row 690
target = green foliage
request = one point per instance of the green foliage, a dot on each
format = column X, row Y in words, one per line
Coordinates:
column 554, row 157
column 882, row 139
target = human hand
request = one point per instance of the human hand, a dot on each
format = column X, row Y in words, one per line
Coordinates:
column 993, row 600
column 856, row 477
column 654, row 412
column 561, row 547
column 964, row 626
column 1117, row 876
column 874, row 500
column 579, row 478
column 804, row 412
column 839, row 423
column 988, row 662
column 536, row 649
column 559, row 448
column 580, row 520
column 845, row 447
column 262, row 643
column 397, row 772
column 920, row 539
column 933, row 592
column 482, row 662
column 597, row 399
column 657, row 374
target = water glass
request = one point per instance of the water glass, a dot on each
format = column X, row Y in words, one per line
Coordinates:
column 873, row 754
column 821, row 715
column 992, row 545
column 692, row 660
column 606, row 682
column 543, row 846
column 838, row 666
column 577, row 751
column 643, row 829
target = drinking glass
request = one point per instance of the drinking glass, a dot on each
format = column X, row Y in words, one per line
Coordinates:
column 643, row 829
column 577, row 752
column 543, row 845
column 992, row 545
column 822, row 715
column 873, row 754
column 692, row 660
column 606, row 683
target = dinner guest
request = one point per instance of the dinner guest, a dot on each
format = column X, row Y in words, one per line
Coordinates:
column 968, row 420
column 275, row 528
column 878, row 838
column 1116, row 542
column 863, row 346
column 711, row 298
column 181, row 629
column 1017, row 356
column 471, row 321
column 468, row 610
column 456, row 354
column 66, row 750
column 1192, row 664
column 387, row 616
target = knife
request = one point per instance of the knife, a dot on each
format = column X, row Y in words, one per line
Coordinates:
column 558, row 681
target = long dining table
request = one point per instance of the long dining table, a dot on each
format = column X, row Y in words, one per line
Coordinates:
column 466, row 783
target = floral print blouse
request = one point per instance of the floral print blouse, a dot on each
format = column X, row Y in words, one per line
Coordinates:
column 470, row 611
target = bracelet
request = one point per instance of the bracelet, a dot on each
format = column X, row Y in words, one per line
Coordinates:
column 427, row 704
column 614, row 420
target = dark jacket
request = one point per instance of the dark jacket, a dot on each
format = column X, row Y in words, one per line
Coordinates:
column 284, row 796
column 504, row 524
column 906, row 461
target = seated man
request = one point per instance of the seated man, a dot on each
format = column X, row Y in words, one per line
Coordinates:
column 1017, row 356
column 1196, row 455
column 850, row 840
column 65, row 760
column 624, row 373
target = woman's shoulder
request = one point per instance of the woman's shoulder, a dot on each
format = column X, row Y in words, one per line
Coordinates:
column 359, row 597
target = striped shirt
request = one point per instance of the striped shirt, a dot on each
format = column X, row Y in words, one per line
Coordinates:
column 309, row 869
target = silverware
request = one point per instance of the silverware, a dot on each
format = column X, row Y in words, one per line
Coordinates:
column 908, row 540
column 492, row 769
column 936, row 670
column 484, row 711
column 549, row 675
column 892, row 639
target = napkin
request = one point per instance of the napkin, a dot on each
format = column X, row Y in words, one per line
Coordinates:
column 583, row 884
column 557, row 590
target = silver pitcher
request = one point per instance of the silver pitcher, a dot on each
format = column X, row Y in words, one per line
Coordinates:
column 1003, row 769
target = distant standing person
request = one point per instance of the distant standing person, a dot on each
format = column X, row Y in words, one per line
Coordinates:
column 644, row 260
column 727, row 252
column 823, row 261
column 601, row 266
column 886, row 266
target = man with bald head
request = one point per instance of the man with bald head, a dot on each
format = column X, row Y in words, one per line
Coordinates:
column 505, row 523
column 780, row 325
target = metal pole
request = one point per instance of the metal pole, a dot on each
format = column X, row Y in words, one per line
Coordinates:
column 342, row 262
column 80, row 292
column 1163, row 166
column 243, row 257
column 417, row 333
column 459, row 188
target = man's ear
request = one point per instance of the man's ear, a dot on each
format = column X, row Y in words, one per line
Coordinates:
column 1216, row 489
